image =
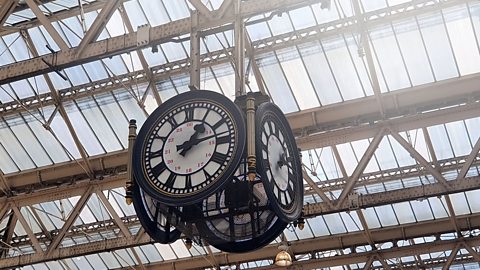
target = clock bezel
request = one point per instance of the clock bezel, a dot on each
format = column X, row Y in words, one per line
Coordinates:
column 148, row 128
column 156, row 231
column 269, row 111
column 271, row 230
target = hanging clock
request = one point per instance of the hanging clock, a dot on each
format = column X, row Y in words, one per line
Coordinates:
column 278, row 162
column 157, row 225
column 188, row 147
column 238, row 218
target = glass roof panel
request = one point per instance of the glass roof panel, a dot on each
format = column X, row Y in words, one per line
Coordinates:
column 473, row 198
column 458, row 136
column 386, row 215
column 302, row 17
column 385, row 47
column 298, row 79
column 76, row 75
column 116, row 26
column 413, row 51
column 280, row 25
column 176, row 9
column 151, row 253
column 83, row 129
column 422, row 210
column 440, row 142
column 460, row 204
column 97, row 261
column 22, row 88
column 135, row 14
column 369, row 5
column 463, row 40
column 29, row 140
column 403, row 212
column 13, row 151
column 371, row 218
column 276, row 83
column 328, row 14
column 318, row 225
column 258, row 31
column 340, row 60
column 114, row 66
column 335, row 223
column 226, row 79
column 17, row 46
column 437, row 44
column 351, row 221
column 320, row 73
column 438, row 207
column 154, row 11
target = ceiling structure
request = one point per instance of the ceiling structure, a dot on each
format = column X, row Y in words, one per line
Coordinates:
column 383, row 96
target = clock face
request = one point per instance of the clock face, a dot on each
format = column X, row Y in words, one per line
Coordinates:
column 278, row 162
column 233, row 225
column 189, row 147
column 157, row 225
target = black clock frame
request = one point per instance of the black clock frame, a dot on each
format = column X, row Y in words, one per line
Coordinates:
column 158, row 232
column 269, row 112
column 241, row 202
column 172, row 104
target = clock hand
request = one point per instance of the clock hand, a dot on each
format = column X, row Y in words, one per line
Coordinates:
column 185, row 147
column 199, row 128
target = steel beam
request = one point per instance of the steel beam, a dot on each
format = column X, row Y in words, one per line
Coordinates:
column 57, row 240
column 201, row 8
column 27, row 228
column 333, row 242
column 166, row 32
column 6, row 8
column 98, row 25
column 362, row 164
column 56, row 16
column 116, row 162
column 48, row 25
column 128, row 42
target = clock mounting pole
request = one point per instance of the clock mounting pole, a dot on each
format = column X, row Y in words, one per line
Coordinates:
column 132, row 135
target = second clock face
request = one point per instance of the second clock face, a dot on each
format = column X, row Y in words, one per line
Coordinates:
column 189, row 146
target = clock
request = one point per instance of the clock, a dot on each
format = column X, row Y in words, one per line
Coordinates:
column 239, row 218
column 278, row 162
column 189, row 147
column 149, row 211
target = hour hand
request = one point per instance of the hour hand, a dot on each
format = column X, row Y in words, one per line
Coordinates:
column 199, row 128
column 189, row 144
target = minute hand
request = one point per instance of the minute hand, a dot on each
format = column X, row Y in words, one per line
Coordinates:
column 196, row 141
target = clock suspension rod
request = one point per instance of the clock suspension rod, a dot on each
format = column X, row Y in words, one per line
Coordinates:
column 132, row 135
column 251, row 159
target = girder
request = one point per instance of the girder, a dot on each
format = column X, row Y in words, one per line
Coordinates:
column 166, row 33
column 330, row 125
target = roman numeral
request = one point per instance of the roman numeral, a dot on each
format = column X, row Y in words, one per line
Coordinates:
column 207, row 175
column 171, row 180
column 224, row 139
column 155, row 154
column 218, row 124
column 218, row 157
column 189, row 112
column 172, row 121
column 188, row 181
column 205, row 115
column 159, row 169
column 290, row 190
column 158, row 137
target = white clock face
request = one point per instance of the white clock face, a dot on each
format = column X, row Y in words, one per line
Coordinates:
column 275, row 153
column 189, row 148
column 279, row 162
